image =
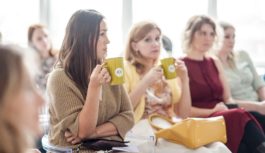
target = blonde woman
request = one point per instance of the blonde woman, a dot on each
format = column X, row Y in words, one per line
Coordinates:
column 246, row 86
column 143, row 73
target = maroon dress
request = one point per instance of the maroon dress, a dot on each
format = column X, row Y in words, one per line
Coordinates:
column 206, row 91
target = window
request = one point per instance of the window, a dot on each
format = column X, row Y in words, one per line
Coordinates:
column 61, row 15
column 248, row 17
column 170, row 15
column 15, row 18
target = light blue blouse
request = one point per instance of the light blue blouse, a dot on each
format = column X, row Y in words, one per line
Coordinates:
column 244, row 81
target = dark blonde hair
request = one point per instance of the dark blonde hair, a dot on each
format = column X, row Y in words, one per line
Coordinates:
column 137, row 33
column 12, row 71
column 231, row 55
column 194, row 24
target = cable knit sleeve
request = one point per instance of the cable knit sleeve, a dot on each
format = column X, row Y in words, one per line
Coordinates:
column 66, row 102
column 123, row 121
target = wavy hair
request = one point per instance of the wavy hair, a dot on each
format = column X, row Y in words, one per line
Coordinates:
column 78, row 54
column 137, row 33
column 194, row 24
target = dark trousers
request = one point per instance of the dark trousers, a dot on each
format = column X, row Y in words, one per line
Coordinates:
column 252, row 139
column 253, row 136
column 260, row 118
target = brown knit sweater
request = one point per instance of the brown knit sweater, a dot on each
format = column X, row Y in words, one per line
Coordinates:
column 66, row 102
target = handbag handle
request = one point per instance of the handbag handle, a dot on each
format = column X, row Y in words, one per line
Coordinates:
column 164, row 118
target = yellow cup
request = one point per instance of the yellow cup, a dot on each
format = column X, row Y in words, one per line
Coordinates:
column 168, row 65
column 116, row 70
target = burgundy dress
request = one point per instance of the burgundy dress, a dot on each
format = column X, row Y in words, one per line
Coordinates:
column 206, row 91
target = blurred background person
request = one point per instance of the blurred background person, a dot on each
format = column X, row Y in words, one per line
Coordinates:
column 39, row 40
column 46, row 56
column 246, row 86
column 20, row 103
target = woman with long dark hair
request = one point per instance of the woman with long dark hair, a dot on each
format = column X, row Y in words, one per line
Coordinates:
column 83, row 105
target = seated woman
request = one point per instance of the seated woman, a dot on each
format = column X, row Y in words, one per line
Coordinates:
column 209, row 91
column 83, row 105
column 144, row 75
column 246, row 86
column 148, row 89
column 39, row 40
column 20, row 104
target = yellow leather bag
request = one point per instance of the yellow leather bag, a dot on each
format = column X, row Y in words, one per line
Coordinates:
column 191, row 132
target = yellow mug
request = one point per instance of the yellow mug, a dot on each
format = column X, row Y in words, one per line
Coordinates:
column 116, row 69
column 168, row 65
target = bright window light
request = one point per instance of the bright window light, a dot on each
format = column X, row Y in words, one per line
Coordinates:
column 112, row 10
column 249, row 22
column 15, row 18
column 170, row 15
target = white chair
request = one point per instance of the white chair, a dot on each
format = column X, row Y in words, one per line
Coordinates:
column 54, row 149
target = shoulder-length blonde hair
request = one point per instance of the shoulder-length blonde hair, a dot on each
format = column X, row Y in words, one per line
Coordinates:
column 137, row 33
column 12, row 71
column 194, row 24
column 231, row 55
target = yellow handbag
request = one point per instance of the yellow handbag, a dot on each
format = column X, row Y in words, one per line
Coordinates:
column 191, row 132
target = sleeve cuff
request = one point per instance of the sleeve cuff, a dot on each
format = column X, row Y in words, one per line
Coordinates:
column 122, row 124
